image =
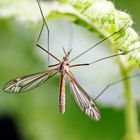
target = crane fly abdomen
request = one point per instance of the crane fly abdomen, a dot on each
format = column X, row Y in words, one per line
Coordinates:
column 62, row 94
column 63, row 69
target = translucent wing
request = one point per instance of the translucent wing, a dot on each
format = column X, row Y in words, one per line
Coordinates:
column 25, row 83
column 84, row 101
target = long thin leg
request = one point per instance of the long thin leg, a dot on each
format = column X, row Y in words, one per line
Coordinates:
column 114, row 83
column 111, row 56
column 54, row 65
column 98, row 43
column 44, row 23
column 40, row 33
column 48, row 52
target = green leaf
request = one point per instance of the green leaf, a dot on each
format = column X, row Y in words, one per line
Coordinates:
column 99, row 16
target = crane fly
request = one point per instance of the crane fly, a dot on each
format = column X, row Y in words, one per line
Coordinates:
column 83, row 100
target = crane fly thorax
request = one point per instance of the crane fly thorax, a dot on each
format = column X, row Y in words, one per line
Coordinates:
column 64, row 66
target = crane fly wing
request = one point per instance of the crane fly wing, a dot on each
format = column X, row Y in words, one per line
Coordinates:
column 25, row 83
column 84, row 101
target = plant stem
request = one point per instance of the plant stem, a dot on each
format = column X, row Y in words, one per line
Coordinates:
column 130, row 113
column 131, row 121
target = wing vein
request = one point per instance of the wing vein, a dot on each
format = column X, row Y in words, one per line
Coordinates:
column 83, row 100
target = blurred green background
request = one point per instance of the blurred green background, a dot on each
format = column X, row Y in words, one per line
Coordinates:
column 34, row 115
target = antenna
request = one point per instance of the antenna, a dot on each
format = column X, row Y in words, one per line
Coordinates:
column 64, row 51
